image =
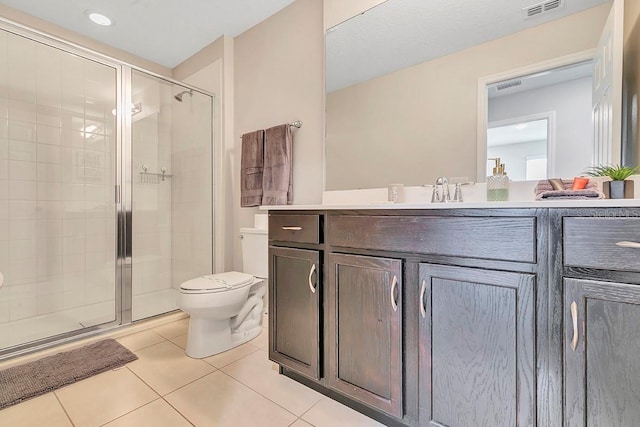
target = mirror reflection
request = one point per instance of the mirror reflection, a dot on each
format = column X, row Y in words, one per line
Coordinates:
column 403, row 88
column 540, row 124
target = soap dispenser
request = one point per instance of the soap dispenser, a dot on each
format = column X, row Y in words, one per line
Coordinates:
column 498, row 183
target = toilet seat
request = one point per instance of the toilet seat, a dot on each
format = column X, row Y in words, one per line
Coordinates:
column 215, row 283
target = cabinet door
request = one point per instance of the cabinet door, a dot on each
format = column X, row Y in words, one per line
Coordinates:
column 365, row 324
column 476, row 347
column 294, row 306
column 602, row 353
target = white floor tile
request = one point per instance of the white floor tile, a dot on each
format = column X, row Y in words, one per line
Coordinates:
column 104, row 397
column 218, row 400
column 223, row 359
column 257, row 372
column 140, row 340
column 180, row 341
column 165, row 367
column 262, row 340
column 329, row 413
column 40, row 411
column 156, row 414
column 173, row 329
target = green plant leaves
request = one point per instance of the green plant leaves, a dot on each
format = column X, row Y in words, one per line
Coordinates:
column 615, row 172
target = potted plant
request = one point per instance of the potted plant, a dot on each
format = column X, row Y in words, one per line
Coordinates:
column 619, row 187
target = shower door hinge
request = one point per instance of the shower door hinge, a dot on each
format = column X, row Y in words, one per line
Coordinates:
column 117, row 194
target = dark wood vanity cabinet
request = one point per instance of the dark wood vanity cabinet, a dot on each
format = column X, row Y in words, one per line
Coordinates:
column 364, row 314
column 600, row 276
column 295, row 290
column 295, row 294
column 602, row 353
column 462, row 317
column 476, row 347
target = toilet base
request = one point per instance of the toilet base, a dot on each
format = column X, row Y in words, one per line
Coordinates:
column 210, row 334
column 207, row 338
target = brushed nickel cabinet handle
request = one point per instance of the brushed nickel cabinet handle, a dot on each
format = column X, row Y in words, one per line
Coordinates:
column 625, row 244
column 291, row 228
column 313, row 269
column 423, row 310
column 574, row 319
column 394, row 285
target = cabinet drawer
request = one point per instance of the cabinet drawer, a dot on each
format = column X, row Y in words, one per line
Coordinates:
column 495, row 238
column 600, row 243
column 295, row 228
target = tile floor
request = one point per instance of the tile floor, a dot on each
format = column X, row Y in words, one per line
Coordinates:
column 164, row 387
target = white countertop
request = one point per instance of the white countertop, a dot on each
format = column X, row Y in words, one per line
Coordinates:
column 521, row 195
column 564, row 203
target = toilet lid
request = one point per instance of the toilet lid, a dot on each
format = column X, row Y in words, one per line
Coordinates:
column 218, row 282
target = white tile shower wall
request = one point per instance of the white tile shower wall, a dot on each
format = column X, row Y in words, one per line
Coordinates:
column 57, row 215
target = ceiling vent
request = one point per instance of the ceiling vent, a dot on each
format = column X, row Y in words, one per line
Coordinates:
column 541, row 8
column 509, row 84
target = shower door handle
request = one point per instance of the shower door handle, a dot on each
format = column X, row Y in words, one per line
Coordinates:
column 311, row 286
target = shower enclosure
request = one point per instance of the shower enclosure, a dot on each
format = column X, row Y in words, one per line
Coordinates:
column 105, row 191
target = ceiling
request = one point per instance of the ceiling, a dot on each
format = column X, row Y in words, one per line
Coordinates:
column 163, row 31
column 401, row 33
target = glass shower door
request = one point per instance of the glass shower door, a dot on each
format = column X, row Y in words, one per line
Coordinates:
column 172, row 191
column 57, row 177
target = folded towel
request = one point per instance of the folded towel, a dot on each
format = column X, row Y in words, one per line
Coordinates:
column 544, row 191
column 251, row 168
column 278, row 165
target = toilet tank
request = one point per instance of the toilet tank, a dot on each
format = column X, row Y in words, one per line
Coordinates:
column 255, row 243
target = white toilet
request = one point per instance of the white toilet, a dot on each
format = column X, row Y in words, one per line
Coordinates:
column 226, row 308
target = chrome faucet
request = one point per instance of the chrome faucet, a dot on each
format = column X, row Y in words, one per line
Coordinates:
column 441, row 191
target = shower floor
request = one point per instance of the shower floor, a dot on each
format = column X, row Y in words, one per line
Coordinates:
column 31, row 329
column 47, row 325
column 153, row 303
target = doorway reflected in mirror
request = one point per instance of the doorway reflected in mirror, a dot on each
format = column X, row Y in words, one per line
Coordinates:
column 522, row 145
column 542, row 118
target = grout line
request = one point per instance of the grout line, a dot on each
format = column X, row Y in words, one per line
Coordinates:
column 133, row 410
column 312, row 406
column 146, row 346
column 258, row 393
column 63, row 408
column 177, row 410
column 172, row 391
column 234, row 361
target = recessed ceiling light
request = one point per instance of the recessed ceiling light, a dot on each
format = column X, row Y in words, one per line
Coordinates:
column 98, row 18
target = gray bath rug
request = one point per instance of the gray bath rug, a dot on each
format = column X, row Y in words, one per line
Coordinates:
column 32, row 379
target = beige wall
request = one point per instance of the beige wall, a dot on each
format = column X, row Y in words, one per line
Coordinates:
column 421, row 122
column 82, row 41
column 337, row 11
column 278, row 78
column 631, row 17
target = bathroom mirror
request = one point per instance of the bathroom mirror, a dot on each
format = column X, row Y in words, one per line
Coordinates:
column 402, row 82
